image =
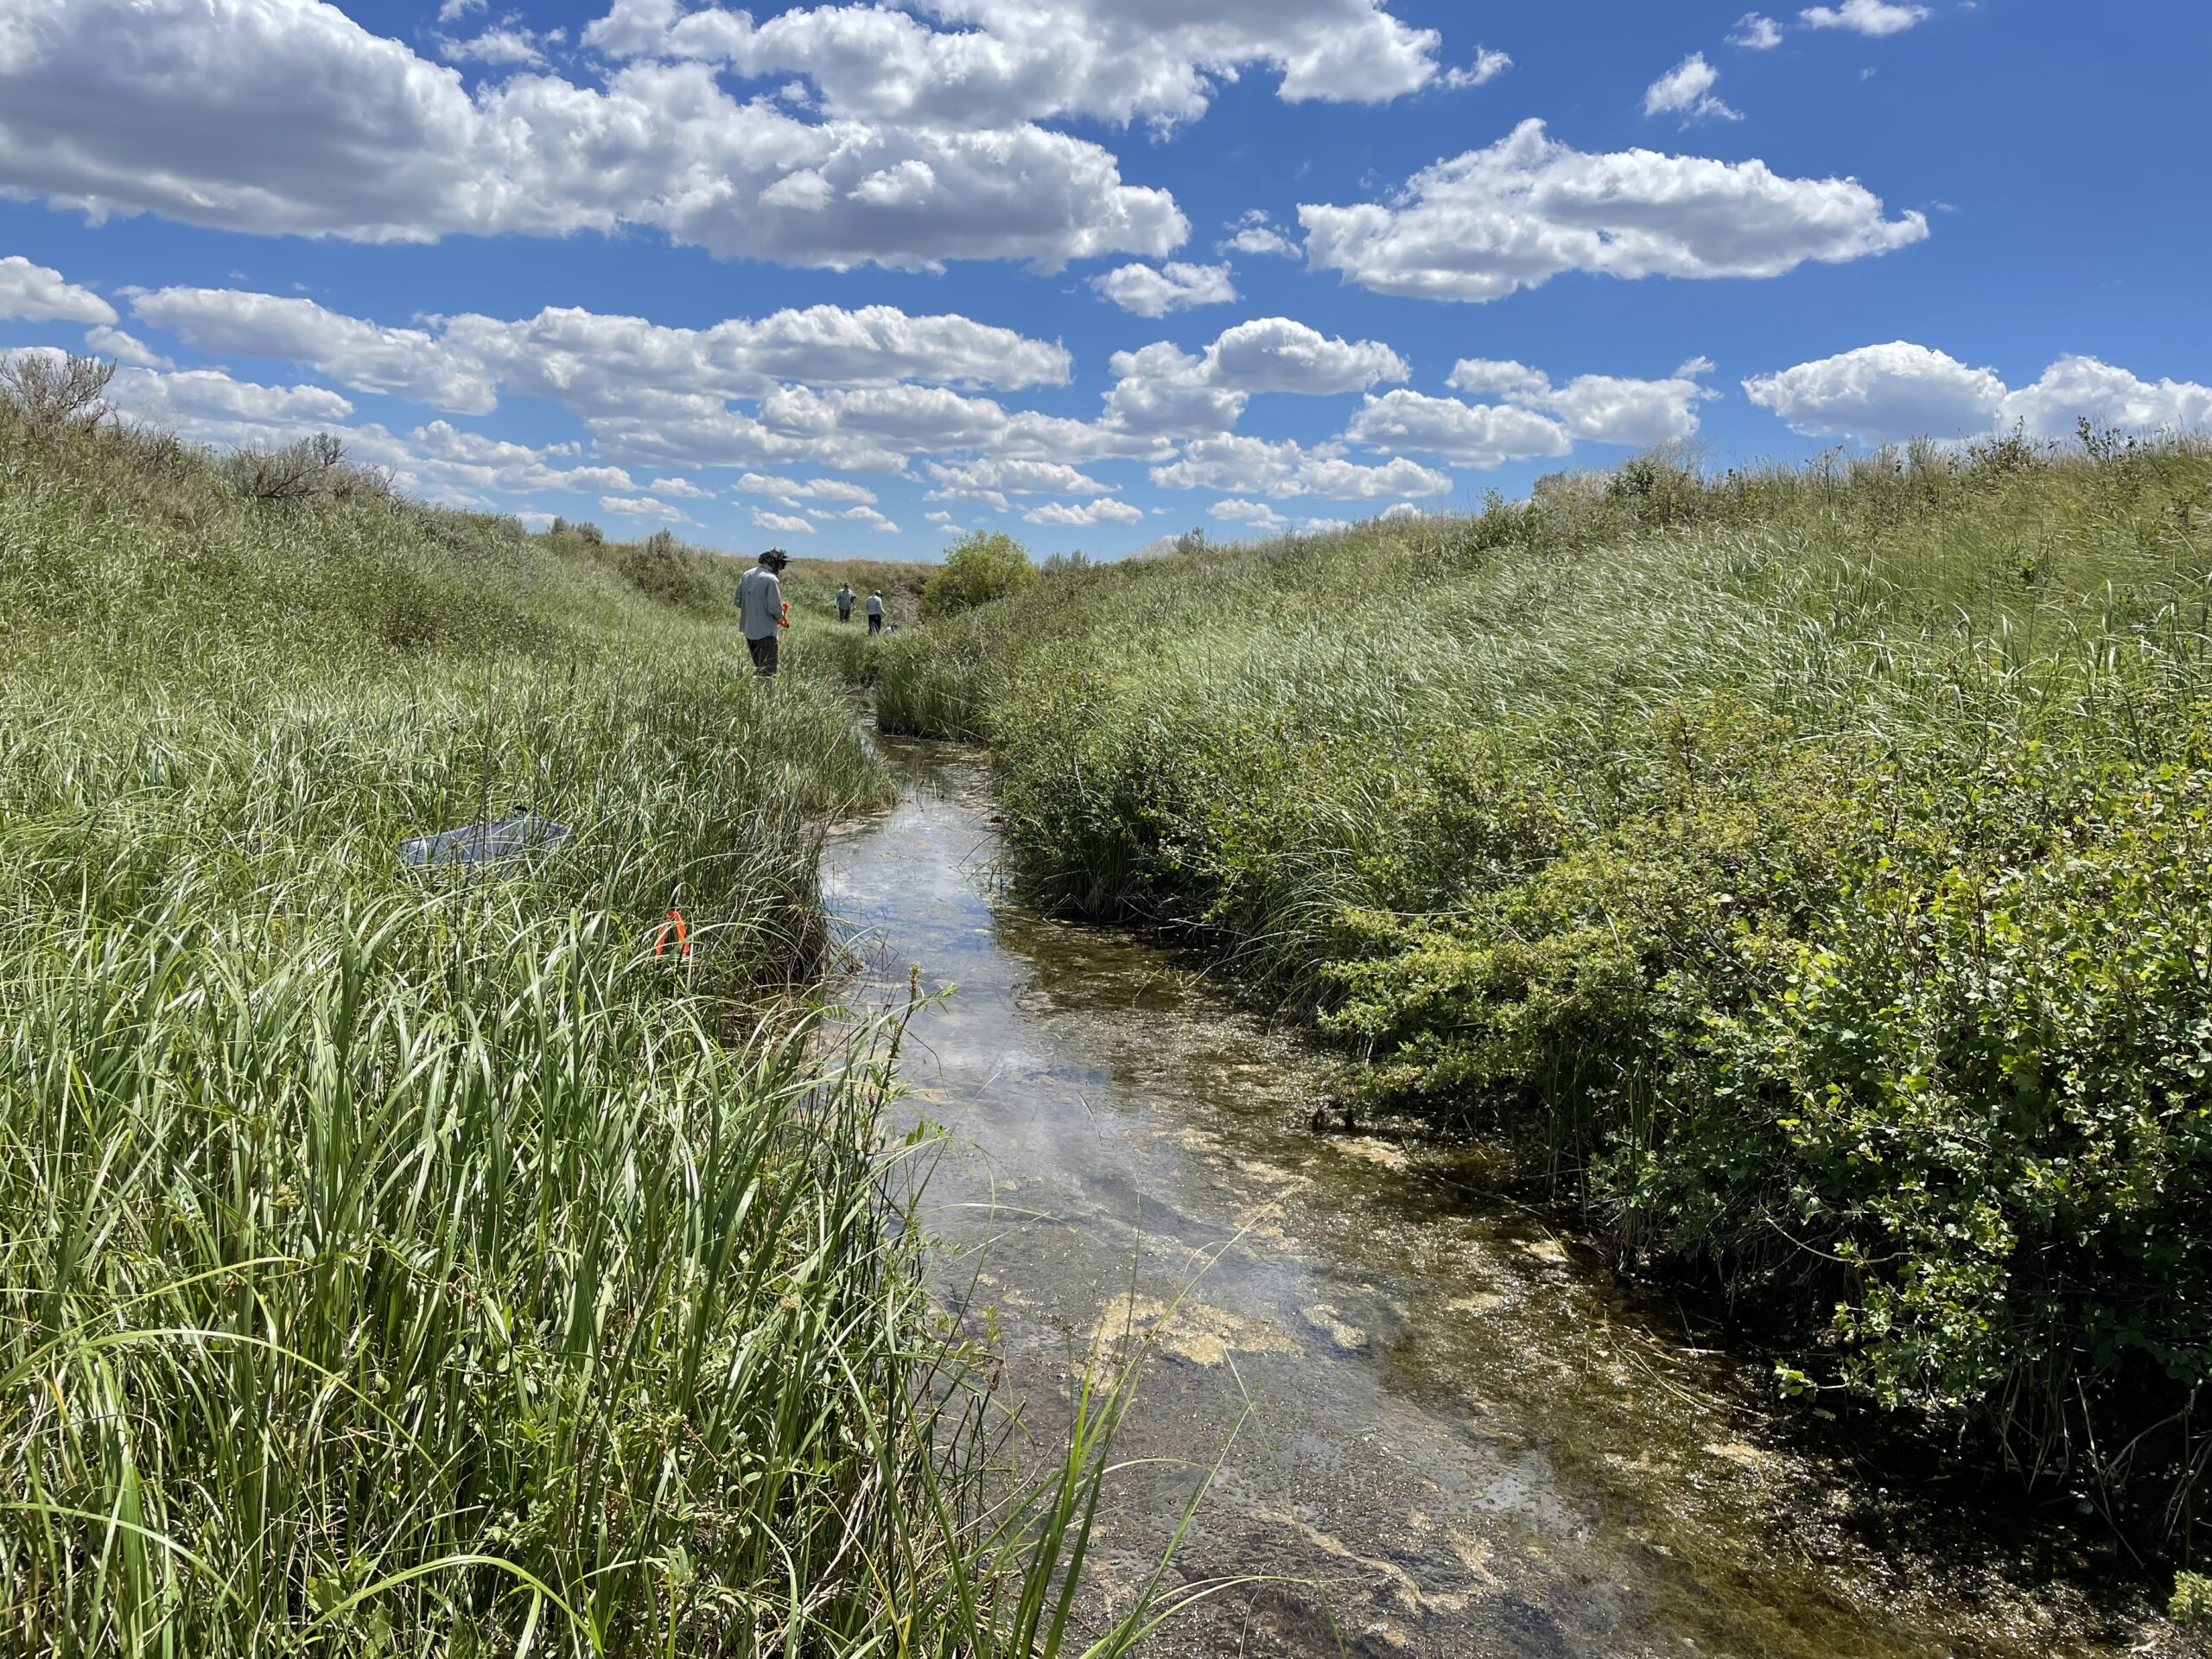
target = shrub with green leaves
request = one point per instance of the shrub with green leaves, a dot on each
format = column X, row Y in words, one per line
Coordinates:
column 982, row 566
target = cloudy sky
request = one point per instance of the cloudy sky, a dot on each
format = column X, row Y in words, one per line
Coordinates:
column 856, row 277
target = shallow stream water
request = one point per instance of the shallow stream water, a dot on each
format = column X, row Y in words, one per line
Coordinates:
column 1416, row 1412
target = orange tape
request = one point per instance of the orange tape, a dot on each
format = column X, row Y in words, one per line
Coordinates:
column 683, row 935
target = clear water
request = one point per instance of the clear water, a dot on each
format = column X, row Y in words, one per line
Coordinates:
column 1430, row 1427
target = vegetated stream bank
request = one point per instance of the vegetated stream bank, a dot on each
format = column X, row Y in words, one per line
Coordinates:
column 413, row 1259
column 1806, row 872
column 1439, row 1431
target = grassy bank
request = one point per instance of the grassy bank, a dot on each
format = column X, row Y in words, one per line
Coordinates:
column 1807, row 870
column 400, row 1261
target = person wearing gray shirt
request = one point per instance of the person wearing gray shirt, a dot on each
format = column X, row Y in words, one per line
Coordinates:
column 845, row 597
column 760, row 609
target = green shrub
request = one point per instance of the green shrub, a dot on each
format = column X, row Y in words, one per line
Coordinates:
column 983, row 566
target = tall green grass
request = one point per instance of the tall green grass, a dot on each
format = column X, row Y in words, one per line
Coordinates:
column 411, row 1262
column 1807, row 870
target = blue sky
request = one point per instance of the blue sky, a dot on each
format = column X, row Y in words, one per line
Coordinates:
column 856, row 279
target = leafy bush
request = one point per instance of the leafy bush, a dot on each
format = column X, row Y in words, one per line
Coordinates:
column 983, row 566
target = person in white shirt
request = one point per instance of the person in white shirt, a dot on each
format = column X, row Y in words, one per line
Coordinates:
column 875, row 612
column 845, row 597
column 760, row 610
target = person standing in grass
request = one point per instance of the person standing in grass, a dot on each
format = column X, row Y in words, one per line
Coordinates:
column 845, row 597
column 875, row 612
column 760, row 609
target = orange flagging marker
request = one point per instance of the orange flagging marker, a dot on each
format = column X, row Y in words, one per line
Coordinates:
column 674, row 924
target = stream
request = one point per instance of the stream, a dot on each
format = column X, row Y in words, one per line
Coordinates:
column 1428, row 1422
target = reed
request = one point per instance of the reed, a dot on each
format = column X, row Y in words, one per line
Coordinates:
column 399, row 1260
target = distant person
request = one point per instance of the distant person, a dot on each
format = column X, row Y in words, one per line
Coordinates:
column 875, row 612
column 760, row 610
column 845, row 598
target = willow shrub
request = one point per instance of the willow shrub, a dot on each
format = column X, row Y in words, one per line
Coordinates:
column 1807, row 870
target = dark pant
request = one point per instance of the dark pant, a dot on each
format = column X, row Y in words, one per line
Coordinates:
column 844, row 613
column 764, row 655
column 875, row 624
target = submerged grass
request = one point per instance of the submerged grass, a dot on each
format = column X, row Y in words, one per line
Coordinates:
column 409, row 1262
column 1805, row 870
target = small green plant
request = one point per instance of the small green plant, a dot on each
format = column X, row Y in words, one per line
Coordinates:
column 2191, row 1606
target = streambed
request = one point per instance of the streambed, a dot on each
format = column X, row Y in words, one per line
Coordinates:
column 1432, row 1427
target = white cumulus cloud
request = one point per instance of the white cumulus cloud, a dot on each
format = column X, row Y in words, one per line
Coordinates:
column 643, row 506
column 1243, row 466
column 1105, row 511
column 1487, row 66
column 1756, row 32
column 868, row 516
column 35, row 294
column 1686, row 90
column 478, row 462
column 303, row 123
column 783, row 524
column 2076, row 389
column 1153, row 292
column 1887, row 394
column 1255, row 233
column 1533, row 419
column 992, row 481
column 1483, row 225
column 1870, row 17
column 651, row 394
column 1264, row 520
column 126, row 349
column 506, row 45
column 206, row 401
column 1160, row 388
column 791, row 491
column 1466, row 434
column 407, row 362
column 957, row 63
